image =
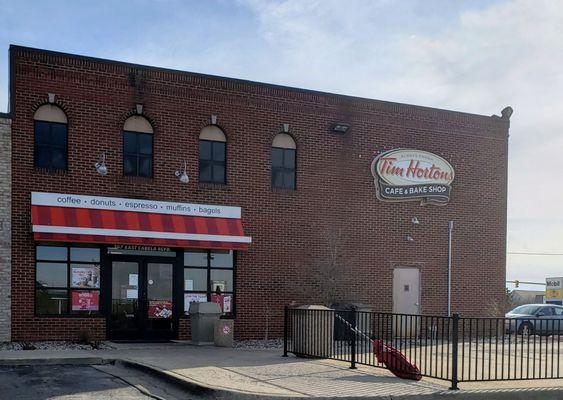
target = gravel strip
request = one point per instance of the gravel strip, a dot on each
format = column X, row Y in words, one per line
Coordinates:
column 52, row 345
column 259, row 344
column 68, row 345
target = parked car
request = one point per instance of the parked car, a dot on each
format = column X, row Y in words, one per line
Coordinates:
column 535, row 319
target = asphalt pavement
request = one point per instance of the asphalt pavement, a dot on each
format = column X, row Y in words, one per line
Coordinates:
column 83, row 382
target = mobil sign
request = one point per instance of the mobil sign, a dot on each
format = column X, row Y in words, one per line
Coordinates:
column 412, row 175
column 553, row 290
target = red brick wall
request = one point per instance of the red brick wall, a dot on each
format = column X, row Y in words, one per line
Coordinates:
column 335, row 193
column 184, row 330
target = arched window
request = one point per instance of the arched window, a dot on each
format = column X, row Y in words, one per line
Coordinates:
column 212, row 155
column 283, row 161
column 50, row 138
column 137, row 147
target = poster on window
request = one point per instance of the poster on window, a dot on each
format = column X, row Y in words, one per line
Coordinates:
column 85, row 276
column 85, row 301
column 224, row 301
column 193, row 297
column 160, row 309
column 218, row 286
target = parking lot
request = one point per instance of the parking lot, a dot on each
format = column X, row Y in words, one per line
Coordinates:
column 72, row 382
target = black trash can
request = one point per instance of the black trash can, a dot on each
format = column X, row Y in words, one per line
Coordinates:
column 345, row 320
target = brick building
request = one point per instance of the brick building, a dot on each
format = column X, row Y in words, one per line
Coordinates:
column 5, row 233
column 137, row 190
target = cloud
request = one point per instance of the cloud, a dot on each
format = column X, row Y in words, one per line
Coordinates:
column 505, row 53
column 476, row 56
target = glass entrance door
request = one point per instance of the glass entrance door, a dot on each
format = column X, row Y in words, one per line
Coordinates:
column 159, row 301
column 141, row 301
column 125, row 317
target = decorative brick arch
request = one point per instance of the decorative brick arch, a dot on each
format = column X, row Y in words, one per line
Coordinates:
column 58, row 103
column 133, row 113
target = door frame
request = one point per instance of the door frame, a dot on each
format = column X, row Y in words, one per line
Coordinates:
column 414, row 267
column 406, row 327
column 144, row 334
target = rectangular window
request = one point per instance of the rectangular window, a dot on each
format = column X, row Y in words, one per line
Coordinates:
column 283, row 168
column 67, row 280
column 137, row 154
column 51, row 274
column 212, row 161
column 50, row 149
column 51, row 302
column 209, row 276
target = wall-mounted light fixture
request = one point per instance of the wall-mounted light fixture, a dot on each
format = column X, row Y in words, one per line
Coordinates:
column 506, row 112
column 410, row 238
column 340, row 127
column 101, row 166
column 183, row 175
column 415, row 221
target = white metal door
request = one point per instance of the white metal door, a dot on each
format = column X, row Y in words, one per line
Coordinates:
column 406, row 300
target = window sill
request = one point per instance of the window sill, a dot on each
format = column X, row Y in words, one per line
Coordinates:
column 65, row 316
column 50, row 171
column 138, row 179
column 210, row 185
column 284, row 190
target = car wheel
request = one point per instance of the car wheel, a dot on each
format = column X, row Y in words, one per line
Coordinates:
column 526, row 329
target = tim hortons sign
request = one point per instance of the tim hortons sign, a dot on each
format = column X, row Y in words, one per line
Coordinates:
column 405, row 175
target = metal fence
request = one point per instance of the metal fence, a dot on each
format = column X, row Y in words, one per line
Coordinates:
column 454, row 349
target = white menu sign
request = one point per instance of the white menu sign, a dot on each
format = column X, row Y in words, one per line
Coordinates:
column 137, row 205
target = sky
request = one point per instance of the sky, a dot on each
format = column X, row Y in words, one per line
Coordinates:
column 475, row 56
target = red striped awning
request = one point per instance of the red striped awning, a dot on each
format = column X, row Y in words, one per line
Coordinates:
column 87, row 225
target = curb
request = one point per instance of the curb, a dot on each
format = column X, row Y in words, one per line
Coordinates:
column 184, row 383
column 499, row 394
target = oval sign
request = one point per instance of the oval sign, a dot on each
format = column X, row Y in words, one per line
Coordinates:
column 407, row 174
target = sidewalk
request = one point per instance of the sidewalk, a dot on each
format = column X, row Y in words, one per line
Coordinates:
column 237, row 373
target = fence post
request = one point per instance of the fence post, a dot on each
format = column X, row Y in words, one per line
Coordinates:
column 353, row 342
column 455, row 355
column 285, row 328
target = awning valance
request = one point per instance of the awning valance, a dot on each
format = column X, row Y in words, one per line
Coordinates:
column 102, row 225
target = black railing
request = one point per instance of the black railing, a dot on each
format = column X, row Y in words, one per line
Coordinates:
column 449, row 348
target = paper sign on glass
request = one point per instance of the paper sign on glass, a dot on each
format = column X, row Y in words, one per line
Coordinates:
column 85, row 301
column 227, row 301
column 133, row 279
column 132, row 293
column 85, row 276
column 188, row 284
column 191, row 297
column 160, row 309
